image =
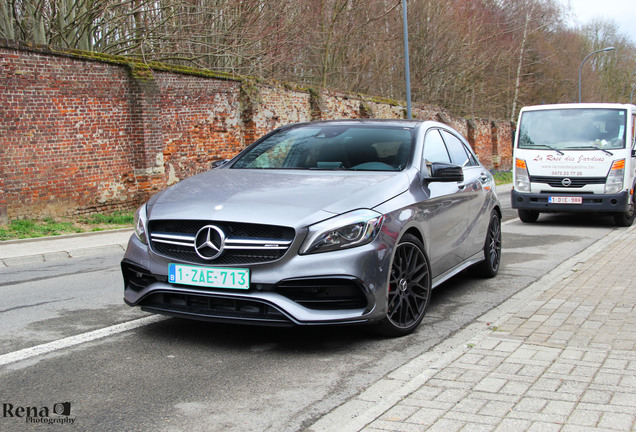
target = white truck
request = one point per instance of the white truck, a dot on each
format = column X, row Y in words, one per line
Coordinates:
column 575, row 158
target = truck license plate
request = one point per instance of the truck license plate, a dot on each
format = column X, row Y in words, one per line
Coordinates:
column 565, row 200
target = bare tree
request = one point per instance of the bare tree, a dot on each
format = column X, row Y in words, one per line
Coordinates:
column 475, row 57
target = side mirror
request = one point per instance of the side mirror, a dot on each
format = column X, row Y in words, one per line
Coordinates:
column 444, row 172
column 219, row 163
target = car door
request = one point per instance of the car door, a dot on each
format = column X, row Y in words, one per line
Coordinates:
column 447, row 208
column 472, row 191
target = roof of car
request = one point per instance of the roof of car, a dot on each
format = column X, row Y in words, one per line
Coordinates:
column 378, row 122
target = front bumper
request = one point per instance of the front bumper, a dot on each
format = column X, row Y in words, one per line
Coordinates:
column 340, row 287
column 591, row 202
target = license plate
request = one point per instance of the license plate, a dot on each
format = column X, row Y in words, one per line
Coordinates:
column 565, row 200
column 209, row 277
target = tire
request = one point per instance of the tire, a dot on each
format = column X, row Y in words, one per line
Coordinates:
column 409, row 289
column 625, row 219
column 528, row 216
column 489, row 267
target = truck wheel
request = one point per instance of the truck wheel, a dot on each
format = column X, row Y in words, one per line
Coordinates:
column 625, row 219
column 528, row 216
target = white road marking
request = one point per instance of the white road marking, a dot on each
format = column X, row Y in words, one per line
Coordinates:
column 70, row 341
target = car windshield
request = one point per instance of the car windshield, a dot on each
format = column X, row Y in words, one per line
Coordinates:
column 334, row 147
column 573, row 129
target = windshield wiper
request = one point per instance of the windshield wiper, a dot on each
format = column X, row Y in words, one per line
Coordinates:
column 547, row 146
column 594, row 148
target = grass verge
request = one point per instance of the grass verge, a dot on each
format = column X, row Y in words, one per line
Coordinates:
column 502, row 177
column 31, row 228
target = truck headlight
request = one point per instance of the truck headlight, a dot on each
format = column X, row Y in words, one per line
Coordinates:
column 614, row 182
column 522, row 178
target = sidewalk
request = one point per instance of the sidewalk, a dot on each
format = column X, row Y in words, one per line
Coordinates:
column 558, row 356
column 16, row 252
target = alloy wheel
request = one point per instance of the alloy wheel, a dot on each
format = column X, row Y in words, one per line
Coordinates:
column 493, row 243
column 409, row 285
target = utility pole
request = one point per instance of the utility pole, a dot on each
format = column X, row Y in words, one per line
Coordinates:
column 407, row 71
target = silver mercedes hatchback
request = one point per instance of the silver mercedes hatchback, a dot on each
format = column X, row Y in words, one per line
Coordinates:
column 332, row 222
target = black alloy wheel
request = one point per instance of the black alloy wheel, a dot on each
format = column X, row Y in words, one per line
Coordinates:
column 489, row 267
column 409, row 288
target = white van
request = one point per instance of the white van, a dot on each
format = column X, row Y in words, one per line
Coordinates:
column 575, row 158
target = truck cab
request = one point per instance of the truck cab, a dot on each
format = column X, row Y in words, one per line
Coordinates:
column 575, row 158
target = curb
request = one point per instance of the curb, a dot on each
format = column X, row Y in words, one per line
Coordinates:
column 56, row 248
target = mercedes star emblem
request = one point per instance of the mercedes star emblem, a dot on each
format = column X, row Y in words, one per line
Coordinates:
column 209, row 242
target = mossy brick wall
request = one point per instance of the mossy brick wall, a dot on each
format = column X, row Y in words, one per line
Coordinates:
column 83, row 133
column 267, row 107
column 200, row 123
column 65, row 131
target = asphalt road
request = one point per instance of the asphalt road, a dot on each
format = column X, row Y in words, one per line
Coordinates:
column 168, row 374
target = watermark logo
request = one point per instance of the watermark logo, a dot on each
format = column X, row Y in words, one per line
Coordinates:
column 59, row 413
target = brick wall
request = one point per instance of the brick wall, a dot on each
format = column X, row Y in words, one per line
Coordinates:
column 65, row 132
column 82, row 133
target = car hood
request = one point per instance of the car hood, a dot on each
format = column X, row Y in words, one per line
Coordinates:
column 290, row 198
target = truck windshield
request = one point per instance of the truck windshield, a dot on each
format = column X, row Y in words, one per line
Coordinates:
column 573, row 129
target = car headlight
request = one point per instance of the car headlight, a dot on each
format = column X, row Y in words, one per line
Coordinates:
column 352, row 229
column 140, row 224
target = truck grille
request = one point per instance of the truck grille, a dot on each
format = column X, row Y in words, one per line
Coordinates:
column 244, row 243
column 576, row 182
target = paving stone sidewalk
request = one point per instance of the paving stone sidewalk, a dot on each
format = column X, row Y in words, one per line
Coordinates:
column 558, row 356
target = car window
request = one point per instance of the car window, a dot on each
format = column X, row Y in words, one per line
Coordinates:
column 434, row 148
column 459, row 154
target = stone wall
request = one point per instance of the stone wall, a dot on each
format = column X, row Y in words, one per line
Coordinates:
column 83, row 133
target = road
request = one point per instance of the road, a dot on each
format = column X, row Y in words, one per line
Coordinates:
column 169, row 374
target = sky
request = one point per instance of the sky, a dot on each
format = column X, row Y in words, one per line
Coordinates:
column 622, row 12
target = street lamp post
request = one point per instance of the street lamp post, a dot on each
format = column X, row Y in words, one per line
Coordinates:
column 406, row 62
column 586, row 57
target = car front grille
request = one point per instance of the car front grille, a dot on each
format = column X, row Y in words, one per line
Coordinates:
column 576, row 182
column 244, row 243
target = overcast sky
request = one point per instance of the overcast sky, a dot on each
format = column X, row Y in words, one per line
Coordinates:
column 622, row 12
